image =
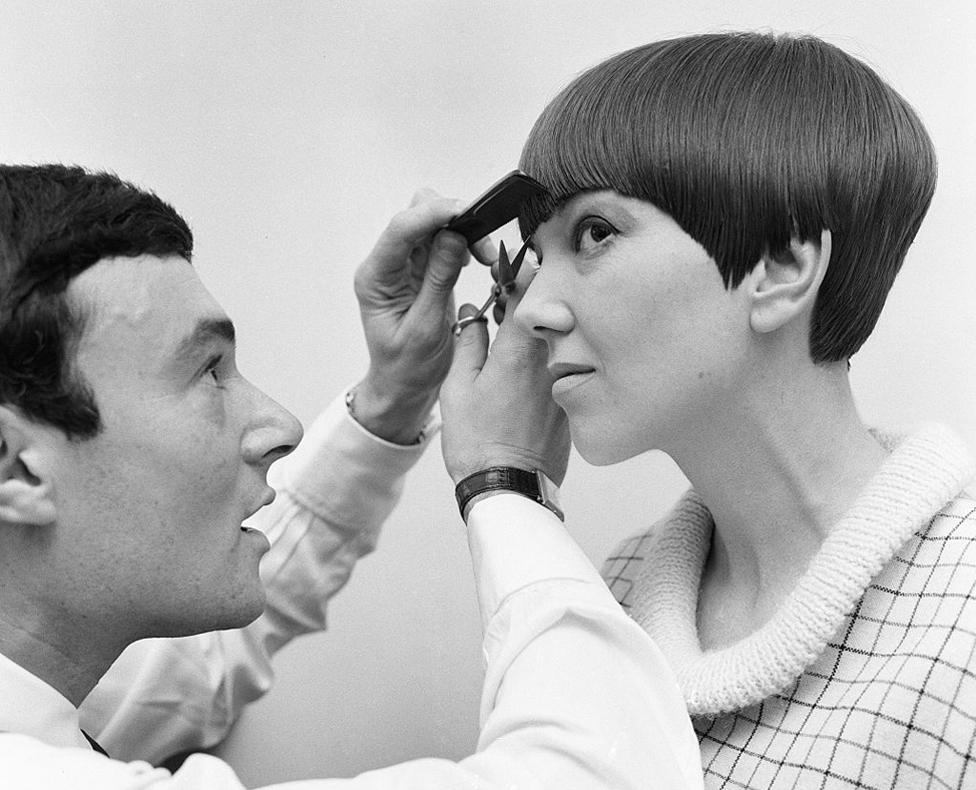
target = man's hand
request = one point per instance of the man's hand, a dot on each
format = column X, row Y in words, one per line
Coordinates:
column 497, row 407
column 404, row 288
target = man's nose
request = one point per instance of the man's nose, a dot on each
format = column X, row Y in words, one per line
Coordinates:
column 273, row 434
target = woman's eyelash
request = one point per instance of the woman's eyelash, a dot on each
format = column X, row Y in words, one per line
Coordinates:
column 588, row 224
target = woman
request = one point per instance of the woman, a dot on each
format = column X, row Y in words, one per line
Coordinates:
column 726, row 215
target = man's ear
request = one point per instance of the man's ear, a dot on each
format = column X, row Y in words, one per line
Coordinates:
column 785, row 286
column 26, row 491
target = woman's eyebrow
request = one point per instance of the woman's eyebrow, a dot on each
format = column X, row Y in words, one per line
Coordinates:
column 607, row 201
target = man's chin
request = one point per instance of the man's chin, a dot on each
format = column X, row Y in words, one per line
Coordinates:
column 250, row 608
column 241, row 610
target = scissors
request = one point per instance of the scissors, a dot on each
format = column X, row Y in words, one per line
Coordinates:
column 500, row 204
column 504, row 272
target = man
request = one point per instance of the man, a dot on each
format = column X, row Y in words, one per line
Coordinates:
column 133, row 450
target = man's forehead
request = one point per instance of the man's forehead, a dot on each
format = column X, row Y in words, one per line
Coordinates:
column 159, row 301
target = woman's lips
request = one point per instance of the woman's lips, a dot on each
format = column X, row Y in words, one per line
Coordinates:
column 568, row 376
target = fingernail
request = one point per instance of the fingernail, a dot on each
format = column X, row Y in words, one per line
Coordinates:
column 450, row 243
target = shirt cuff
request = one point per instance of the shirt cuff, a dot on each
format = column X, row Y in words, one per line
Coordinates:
column 344, row 473
column 516, row 542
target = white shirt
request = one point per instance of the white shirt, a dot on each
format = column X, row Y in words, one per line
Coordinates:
column 575, row 695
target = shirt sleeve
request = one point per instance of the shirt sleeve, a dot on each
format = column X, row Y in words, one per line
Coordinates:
column 576, row 695
column 167, row 696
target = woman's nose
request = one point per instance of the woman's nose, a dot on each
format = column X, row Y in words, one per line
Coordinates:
column 541, row 309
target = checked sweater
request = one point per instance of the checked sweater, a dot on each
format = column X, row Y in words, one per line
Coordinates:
column 866, row 675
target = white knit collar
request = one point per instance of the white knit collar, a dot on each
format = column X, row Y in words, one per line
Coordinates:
column 923, row 472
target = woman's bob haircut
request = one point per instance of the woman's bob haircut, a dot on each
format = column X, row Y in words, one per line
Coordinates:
column 748, row 140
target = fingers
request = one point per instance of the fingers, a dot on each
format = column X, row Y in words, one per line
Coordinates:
column 408, row 229
column 470, row 348
column 448, row 254
column 485, row 251
column 497, row 406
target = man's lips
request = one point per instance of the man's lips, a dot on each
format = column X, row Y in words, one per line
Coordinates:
column 267, row 498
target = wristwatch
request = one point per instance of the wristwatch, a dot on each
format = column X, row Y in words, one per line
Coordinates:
column 532, row 484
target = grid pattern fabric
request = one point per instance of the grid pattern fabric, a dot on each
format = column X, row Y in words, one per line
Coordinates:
column 891, row 701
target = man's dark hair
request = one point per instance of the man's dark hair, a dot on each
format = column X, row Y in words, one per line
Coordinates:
column 747, row 140
column 55, row 222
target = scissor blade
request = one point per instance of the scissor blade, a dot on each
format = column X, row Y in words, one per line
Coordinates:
column 517, row 263
column 505, row 272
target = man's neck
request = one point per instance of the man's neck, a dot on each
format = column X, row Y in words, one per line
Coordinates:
column 72, row 672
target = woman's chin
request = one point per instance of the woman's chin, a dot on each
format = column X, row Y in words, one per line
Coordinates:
column 599, row 451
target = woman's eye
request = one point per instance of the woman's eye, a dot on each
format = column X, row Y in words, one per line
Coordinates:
column 592, row 233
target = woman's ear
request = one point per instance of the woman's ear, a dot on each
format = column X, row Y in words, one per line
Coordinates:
column 26, row 492
column 785, row 286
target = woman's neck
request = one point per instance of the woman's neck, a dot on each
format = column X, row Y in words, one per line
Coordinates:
column 777, row 470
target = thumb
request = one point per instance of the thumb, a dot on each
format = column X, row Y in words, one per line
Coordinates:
column 470, row 347
column 448, row 254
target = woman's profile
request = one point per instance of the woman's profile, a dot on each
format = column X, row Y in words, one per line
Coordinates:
column 726, row 216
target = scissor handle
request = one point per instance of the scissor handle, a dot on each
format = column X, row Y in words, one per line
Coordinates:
column 469, row 319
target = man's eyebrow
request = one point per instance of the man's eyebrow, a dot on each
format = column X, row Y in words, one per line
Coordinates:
column 204, row 333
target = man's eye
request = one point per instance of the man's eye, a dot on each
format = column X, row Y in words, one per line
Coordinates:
column 593, row 232
column 212, row 369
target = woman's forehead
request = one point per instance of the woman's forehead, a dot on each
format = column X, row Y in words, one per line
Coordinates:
column 601, row 200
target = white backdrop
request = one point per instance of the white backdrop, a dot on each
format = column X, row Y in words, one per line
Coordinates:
column 288, row 132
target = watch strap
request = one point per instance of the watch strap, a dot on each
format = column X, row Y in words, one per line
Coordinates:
column 532, row 484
